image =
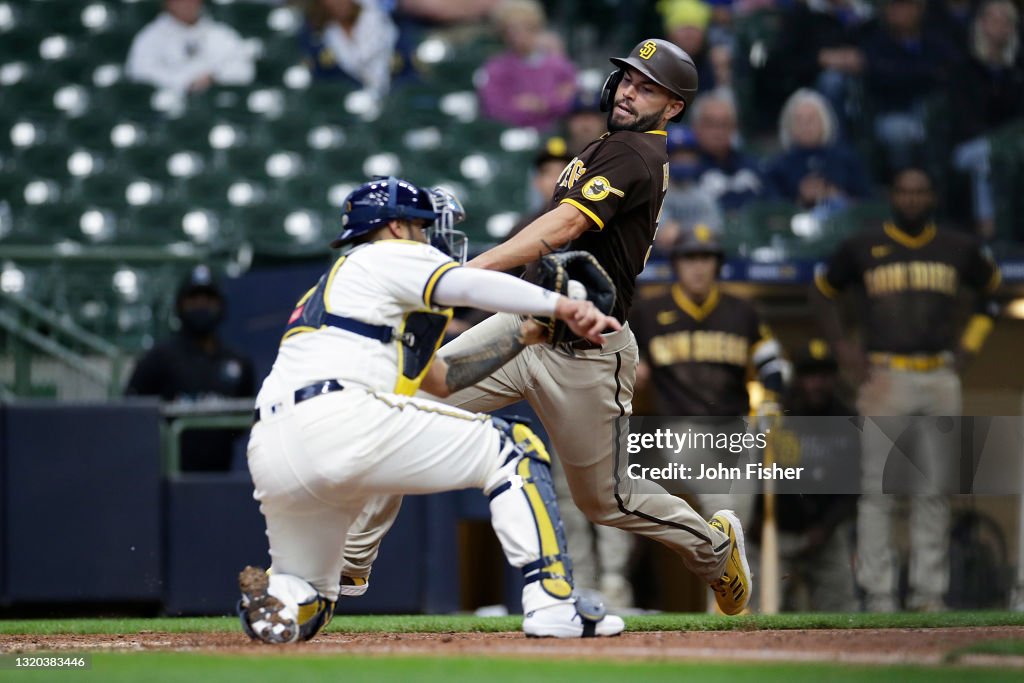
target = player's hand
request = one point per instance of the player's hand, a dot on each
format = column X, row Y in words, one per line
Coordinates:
column 584, row 319
column 532, row 332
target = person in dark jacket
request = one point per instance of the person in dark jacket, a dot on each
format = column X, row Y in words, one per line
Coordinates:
column 728, row 175
column 906, row 65
column 814, row 169
column 194, row 366
column 990, row 94
column 818, row 47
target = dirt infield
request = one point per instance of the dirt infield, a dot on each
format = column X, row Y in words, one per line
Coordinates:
column 857, row 646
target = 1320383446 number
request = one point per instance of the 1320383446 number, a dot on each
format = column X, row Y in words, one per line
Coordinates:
column 46, row 662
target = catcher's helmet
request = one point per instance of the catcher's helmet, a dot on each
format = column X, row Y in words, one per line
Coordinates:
column 697, row 239
column 443, row 235
column 373, row 204
column 663, row 62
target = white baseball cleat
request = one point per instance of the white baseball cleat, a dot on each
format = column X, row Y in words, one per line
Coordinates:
column 563, row 620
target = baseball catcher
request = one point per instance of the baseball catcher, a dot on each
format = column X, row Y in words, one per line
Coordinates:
column 336, row 422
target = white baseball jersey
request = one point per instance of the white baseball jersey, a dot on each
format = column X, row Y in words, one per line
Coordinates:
column 388, row 283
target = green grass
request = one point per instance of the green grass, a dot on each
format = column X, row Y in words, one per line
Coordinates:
column 990, row 647
column 445, row 623
column 189, row 668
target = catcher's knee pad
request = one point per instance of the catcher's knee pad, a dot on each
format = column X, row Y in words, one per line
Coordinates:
column 523, row 493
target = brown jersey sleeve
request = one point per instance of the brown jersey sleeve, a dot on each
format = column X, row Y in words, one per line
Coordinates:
column 981, row 272
column 615, row 178
column 983, row 275
column 838, row 272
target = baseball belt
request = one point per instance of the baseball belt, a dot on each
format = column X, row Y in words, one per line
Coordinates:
column 305, row 393
column 911, row 363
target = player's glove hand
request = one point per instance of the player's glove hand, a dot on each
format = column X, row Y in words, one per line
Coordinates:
column 556, row 273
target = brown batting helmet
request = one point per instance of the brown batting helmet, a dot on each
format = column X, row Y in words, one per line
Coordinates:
column 663, row 62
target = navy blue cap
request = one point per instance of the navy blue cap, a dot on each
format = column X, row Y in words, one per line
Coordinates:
column 199, row 279
column 680, row 137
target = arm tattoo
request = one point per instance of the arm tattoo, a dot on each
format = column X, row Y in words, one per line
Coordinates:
column 468, row 367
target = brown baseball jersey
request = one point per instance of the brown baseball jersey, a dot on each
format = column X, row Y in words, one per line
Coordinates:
column 700, row 355
column 619, row 181
column 909, row 285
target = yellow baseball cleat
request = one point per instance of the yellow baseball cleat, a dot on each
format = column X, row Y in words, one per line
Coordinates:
column 732, row 590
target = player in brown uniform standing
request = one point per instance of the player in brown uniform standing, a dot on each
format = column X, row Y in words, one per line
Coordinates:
column 911, row 274
column 608, row 202
column 701, row 346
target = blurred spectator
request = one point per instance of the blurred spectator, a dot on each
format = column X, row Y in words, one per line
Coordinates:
column 547, row 167
column 952, row 20
column 686, row 203
column 352, row 41
column 585, row 122
column 815, row 531
column 195, row 366
column 906, row 65
column 686, row 25
column 814, row 169
column 531, row 83
column 441, row 12
column 184, row 50
column 818, row 48
column 727, row 175
column 990, row 94
column 721, row 31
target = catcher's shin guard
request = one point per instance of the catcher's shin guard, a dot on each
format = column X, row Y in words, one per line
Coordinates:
column 280, row 608
column 524, row 512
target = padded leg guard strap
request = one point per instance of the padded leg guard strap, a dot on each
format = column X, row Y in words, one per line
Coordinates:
column 524, row 512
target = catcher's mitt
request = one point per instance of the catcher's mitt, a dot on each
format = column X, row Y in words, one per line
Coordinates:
column 558, row 270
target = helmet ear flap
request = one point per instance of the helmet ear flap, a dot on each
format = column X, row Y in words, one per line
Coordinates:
column 611, row 84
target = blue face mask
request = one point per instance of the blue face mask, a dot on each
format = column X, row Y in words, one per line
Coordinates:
column 683, row 171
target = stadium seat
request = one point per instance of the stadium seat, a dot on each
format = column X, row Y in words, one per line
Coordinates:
column 248, row 18
column 157, row 224
column 763, row 224
column 49, row 223
column 209, row 189
column 754, row 79
column 307, row 190
column 175, row 222
column 135, row 15
column 46, row 160
column 90, row 131
column 31, row 96
column 280, row 230
column 106, row 189
column 126, row 98
column 157, row 160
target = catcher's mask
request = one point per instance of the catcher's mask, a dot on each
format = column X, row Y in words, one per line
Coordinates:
column 663, row 62
column 371, row 205
column 442, row 234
